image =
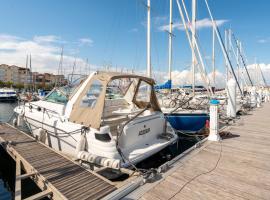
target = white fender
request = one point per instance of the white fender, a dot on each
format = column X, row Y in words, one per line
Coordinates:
column 80, row 144
column 14, row 122
column 20, row 120
column 41, row 134
column 231, row 94
column 105, row 162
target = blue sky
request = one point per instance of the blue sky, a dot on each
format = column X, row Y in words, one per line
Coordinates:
column 113, row 32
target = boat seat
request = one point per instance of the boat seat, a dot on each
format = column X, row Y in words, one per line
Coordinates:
column 113, row 105
column 113, row 121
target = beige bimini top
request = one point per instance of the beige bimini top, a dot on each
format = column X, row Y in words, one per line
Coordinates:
column 90, row 115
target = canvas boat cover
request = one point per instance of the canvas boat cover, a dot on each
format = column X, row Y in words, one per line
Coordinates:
column 91, row 116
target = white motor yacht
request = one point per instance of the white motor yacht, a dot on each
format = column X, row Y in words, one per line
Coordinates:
column 8, row 94
column 109, row 119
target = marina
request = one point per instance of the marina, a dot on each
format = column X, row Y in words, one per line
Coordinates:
column 236, row 167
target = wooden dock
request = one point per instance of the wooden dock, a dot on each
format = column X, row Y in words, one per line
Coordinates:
column 57, row 176
column 236, row 168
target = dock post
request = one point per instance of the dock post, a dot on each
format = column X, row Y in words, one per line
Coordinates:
column 259, row 98
column 267, row 94
column 231, row 95
column 265, row 91
column 18, row 188
column 214, row 121
column 253, row 99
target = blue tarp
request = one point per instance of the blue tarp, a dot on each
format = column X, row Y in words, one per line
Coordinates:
column 166, row 85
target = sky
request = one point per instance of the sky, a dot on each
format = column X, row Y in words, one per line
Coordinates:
column 113, row 33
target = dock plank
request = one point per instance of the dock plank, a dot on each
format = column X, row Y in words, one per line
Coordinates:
column 243, row 170
column 66, row 179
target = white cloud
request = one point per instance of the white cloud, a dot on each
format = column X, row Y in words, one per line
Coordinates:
column 47, row 39
column 9, row 37
column 203, row 23
column 255, row 74
column 183, row 77
column 264, row 40
column 85, row 42
column 45, row 51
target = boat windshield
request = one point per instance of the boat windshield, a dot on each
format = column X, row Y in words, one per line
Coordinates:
column 143, row 93
column 62, row 94
column 116, row 89
column 56, row 96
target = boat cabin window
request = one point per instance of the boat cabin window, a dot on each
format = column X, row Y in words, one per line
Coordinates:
column 56, row 96
column 144, row 92
column 116, row 89
column 90, row 99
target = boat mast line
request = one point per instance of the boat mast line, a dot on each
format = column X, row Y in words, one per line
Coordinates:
column 225, row 53
column 202, row 71
column 242, row 59
column 263, row 77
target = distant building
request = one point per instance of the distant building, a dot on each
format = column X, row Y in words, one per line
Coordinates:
column 47, row 79
column 14, row 74
column 20, row 75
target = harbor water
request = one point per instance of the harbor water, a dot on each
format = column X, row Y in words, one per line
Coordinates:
column 7, row 164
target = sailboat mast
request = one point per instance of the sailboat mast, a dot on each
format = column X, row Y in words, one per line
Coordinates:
column 229, row 44
column 238, row 60
column 226, row 49
column 149, row 71
column 30, row 73
column 26, row 75
column 170, row 43
column 193, row 22
column 225, row 53
column 213, row 58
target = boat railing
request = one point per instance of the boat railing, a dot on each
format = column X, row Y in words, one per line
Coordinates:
column 45, row 110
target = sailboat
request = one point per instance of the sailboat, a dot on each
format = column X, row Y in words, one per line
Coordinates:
column 109, row 119
column 184, row 119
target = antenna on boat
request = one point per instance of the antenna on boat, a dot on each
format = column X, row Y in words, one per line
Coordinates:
column 73, row 68
column 86, row 67
column 60, row 68
column 149, row 70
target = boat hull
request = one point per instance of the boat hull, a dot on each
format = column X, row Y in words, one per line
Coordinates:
column 187, row 121
column 8, row 99
column 136, row 147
